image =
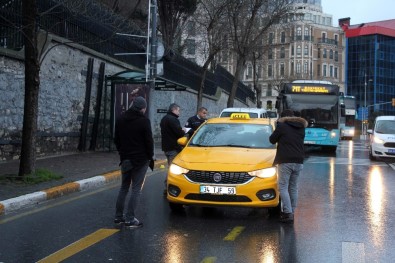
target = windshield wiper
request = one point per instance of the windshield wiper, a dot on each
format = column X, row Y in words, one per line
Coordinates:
column 233, row 145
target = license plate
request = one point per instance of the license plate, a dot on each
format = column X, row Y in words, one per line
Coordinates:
column 391, row 150
column 217, row 190
column 309, row 142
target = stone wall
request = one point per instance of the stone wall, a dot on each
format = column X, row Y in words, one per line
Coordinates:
column 62, row 95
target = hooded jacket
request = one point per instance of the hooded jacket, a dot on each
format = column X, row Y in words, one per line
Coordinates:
column 133, row 137
column 289, row 136
column 171, row 131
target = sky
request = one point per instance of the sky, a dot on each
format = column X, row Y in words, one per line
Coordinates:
column 360, row 11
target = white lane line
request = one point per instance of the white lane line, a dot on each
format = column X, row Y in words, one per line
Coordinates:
column 353, row 252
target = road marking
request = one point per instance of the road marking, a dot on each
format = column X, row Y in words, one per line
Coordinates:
column 353, row 252
column 79, row 245
column 234, row 233
column 209, row 260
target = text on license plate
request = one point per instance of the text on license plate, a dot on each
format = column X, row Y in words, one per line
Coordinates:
column 309, row 142
column 217, row 190
column 391, row 150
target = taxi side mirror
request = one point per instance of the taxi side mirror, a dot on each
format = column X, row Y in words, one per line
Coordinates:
column 183, row 141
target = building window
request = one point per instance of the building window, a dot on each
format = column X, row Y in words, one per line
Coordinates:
column 331, row 54
column 249, row 72
column 191, row 28
column 306, row 50
column 306, row 31
column 324, row 53
column 323, row 37
column 318, row 70
column 336, row 56
column 258, row 73
column 269, row 90
column 271, row 37
column 292, row 68
column 305, row 68
column 299, row 31
column 282, row 52
column 318, row 53
column 331, row 71
column 270, row 54
column 282, row 69
column 283, row 37
column 297, row 67
column 299, row 51
column 190, row 43
column 270, row 71
column 324, row 71
column 336, row 72
column 292, row 50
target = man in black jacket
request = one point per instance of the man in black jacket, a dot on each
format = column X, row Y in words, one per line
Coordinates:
column 289, row 136
column 195, row 121
column 135, row 144
column 171, row 131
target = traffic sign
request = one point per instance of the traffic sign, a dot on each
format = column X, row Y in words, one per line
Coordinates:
column 168, row 87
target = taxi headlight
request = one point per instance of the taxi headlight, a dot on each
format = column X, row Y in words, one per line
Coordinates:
column 264, row 173
column 333, row 134
column 378, row 140
column 177, row 170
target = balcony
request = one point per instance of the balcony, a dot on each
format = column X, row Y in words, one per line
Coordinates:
column 328, row 41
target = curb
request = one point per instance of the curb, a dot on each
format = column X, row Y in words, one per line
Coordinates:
column 24, row 201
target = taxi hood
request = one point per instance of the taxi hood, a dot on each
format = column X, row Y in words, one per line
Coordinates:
column 225, row 159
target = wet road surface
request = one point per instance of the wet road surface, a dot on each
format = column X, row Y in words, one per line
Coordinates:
column 345, row 214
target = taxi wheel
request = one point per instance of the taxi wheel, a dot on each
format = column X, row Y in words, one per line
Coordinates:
column 176, row 207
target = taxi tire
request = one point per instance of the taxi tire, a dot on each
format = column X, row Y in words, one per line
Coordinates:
column 176, row 208
column 275, row 211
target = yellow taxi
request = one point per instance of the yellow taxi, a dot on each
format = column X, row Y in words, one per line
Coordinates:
column 227, row 162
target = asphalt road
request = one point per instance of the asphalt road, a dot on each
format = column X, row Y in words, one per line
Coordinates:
column 345, row 214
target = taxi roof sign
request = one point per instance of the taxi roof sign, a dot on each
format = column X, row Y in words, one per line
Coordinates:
column 239, row 116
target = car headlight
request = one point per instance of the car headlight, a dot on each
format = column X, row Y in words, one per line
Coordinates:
column 177, row 170
column 378, row 140
column 333, row 134
column 264, row 173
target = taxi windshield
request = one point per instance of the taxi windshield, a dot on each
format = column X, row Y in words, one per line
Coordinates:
column 233, row 135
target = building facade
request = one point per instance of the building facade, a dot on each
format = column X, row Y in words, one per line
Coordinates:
column 307, row 46
column 371, row 65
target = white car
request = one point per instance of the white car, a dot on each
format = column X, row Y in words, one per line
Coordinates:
column 382, row 138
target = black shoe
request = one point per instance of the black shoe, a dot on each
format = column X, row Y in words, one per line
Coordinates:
column 119, row 221
column 133, row 224
column 287, row 218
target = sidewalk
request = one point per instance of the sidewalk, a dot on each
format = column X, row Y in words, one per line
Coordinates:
column 80, row 171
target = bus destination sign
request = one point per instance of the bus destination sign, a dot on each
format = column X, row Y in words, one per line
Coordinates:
column 311, row 89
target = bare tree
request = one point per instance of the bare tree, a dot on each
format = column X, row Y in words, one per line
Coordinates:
column 249, row 20
column 34, row 56
column 211, row 22
column 173, row 16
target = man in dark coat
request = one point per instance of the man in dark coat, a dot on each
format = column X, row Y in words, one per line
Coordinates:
column 135, row 144
column 289, row 136
column 194, row 122
column 171, row 131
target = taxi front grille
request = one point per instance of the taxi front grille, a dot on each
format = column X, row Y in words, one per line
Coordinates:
column 226, row 177
column 218, row 198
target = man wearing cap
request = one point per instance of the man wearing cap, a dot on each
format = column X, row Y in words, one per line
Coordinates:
column 289, row 136
column 135, row 145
